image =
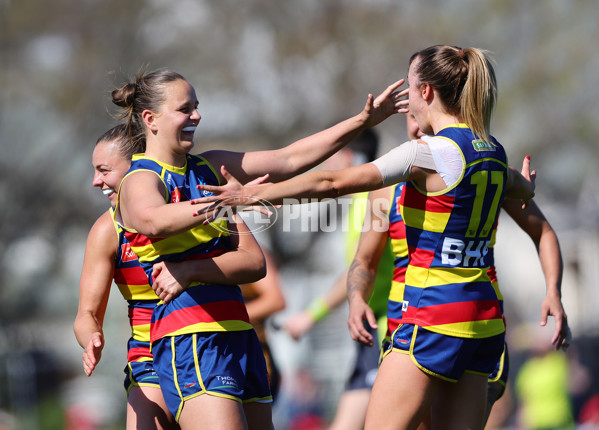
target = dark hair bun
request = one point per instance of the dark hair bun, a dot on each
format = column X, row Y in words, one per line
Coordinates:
column 124, row 96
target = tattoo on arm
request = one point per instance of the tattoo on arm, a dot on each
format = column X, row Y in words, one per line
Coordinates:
column 359, row 281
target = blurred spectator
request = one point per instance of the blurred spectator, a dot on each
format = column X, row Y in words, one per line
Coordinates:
column 542, row 387
column 301, row 400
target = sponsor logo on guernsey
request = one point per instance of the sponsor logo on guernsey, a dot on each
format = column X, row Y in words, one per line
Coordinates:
column 127, row 253
column 404, row 305
column 481, row 145
column 456, row 252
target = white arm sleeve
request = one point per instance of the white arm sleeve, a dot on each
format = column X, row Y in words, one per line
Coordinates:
column 448, row 158
column 396, row 165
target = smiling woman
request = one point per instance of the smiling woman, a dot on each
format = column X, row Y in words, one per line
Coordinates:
column 108, row 258
column 111, row 160
column 228, row 386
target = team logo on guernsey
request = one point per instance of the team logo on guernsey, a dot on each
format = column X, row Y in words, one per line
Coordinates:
column 481, row 145
column 176, row 195
column 127, row 253
column 397, row 206
column 404, row 305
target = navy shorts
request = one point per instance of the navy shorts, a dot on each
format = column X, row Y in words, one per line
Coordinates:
column 447, row 357
column 498, row 379
column 140, row 374
column 223, row 364
column 366, row 364
column 140, row 371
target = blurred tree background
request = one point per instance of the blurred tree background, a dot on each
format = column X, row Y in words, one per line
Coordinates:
column 266, row 73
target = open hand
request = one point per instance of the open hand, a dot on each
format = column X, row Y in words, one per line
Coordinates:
column 389, row 102
column 231, row 195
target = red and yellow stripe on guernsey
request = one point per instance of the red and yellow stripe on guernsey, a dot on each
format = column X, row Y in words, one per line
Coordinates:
column 453, row 318
column 141, row 353
column 394, row 306
column 139, row 344
column 149, row 249
column 397, row 237
column 140, row 318
column 223, row 315
column 430, row 214
column 133, row 283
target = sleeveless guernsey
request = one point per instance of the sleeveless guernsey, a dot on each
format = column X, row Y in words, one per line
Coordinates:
column 200, row 307
column 447, row 287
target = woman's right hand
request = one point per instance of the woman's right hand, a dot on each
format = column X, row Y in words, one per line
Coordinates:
column 359, row 311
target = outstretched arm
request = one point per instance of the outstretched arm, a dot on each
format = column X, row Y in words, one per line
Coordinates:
column 534, row 223
column 312, row 185
column 94, row 289
column 306, row 153
column 398, row 165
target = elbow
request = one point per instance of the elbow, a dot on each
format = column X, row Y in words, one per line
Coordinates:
column 151, row 229
column 255, row 272
column 260, row 270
